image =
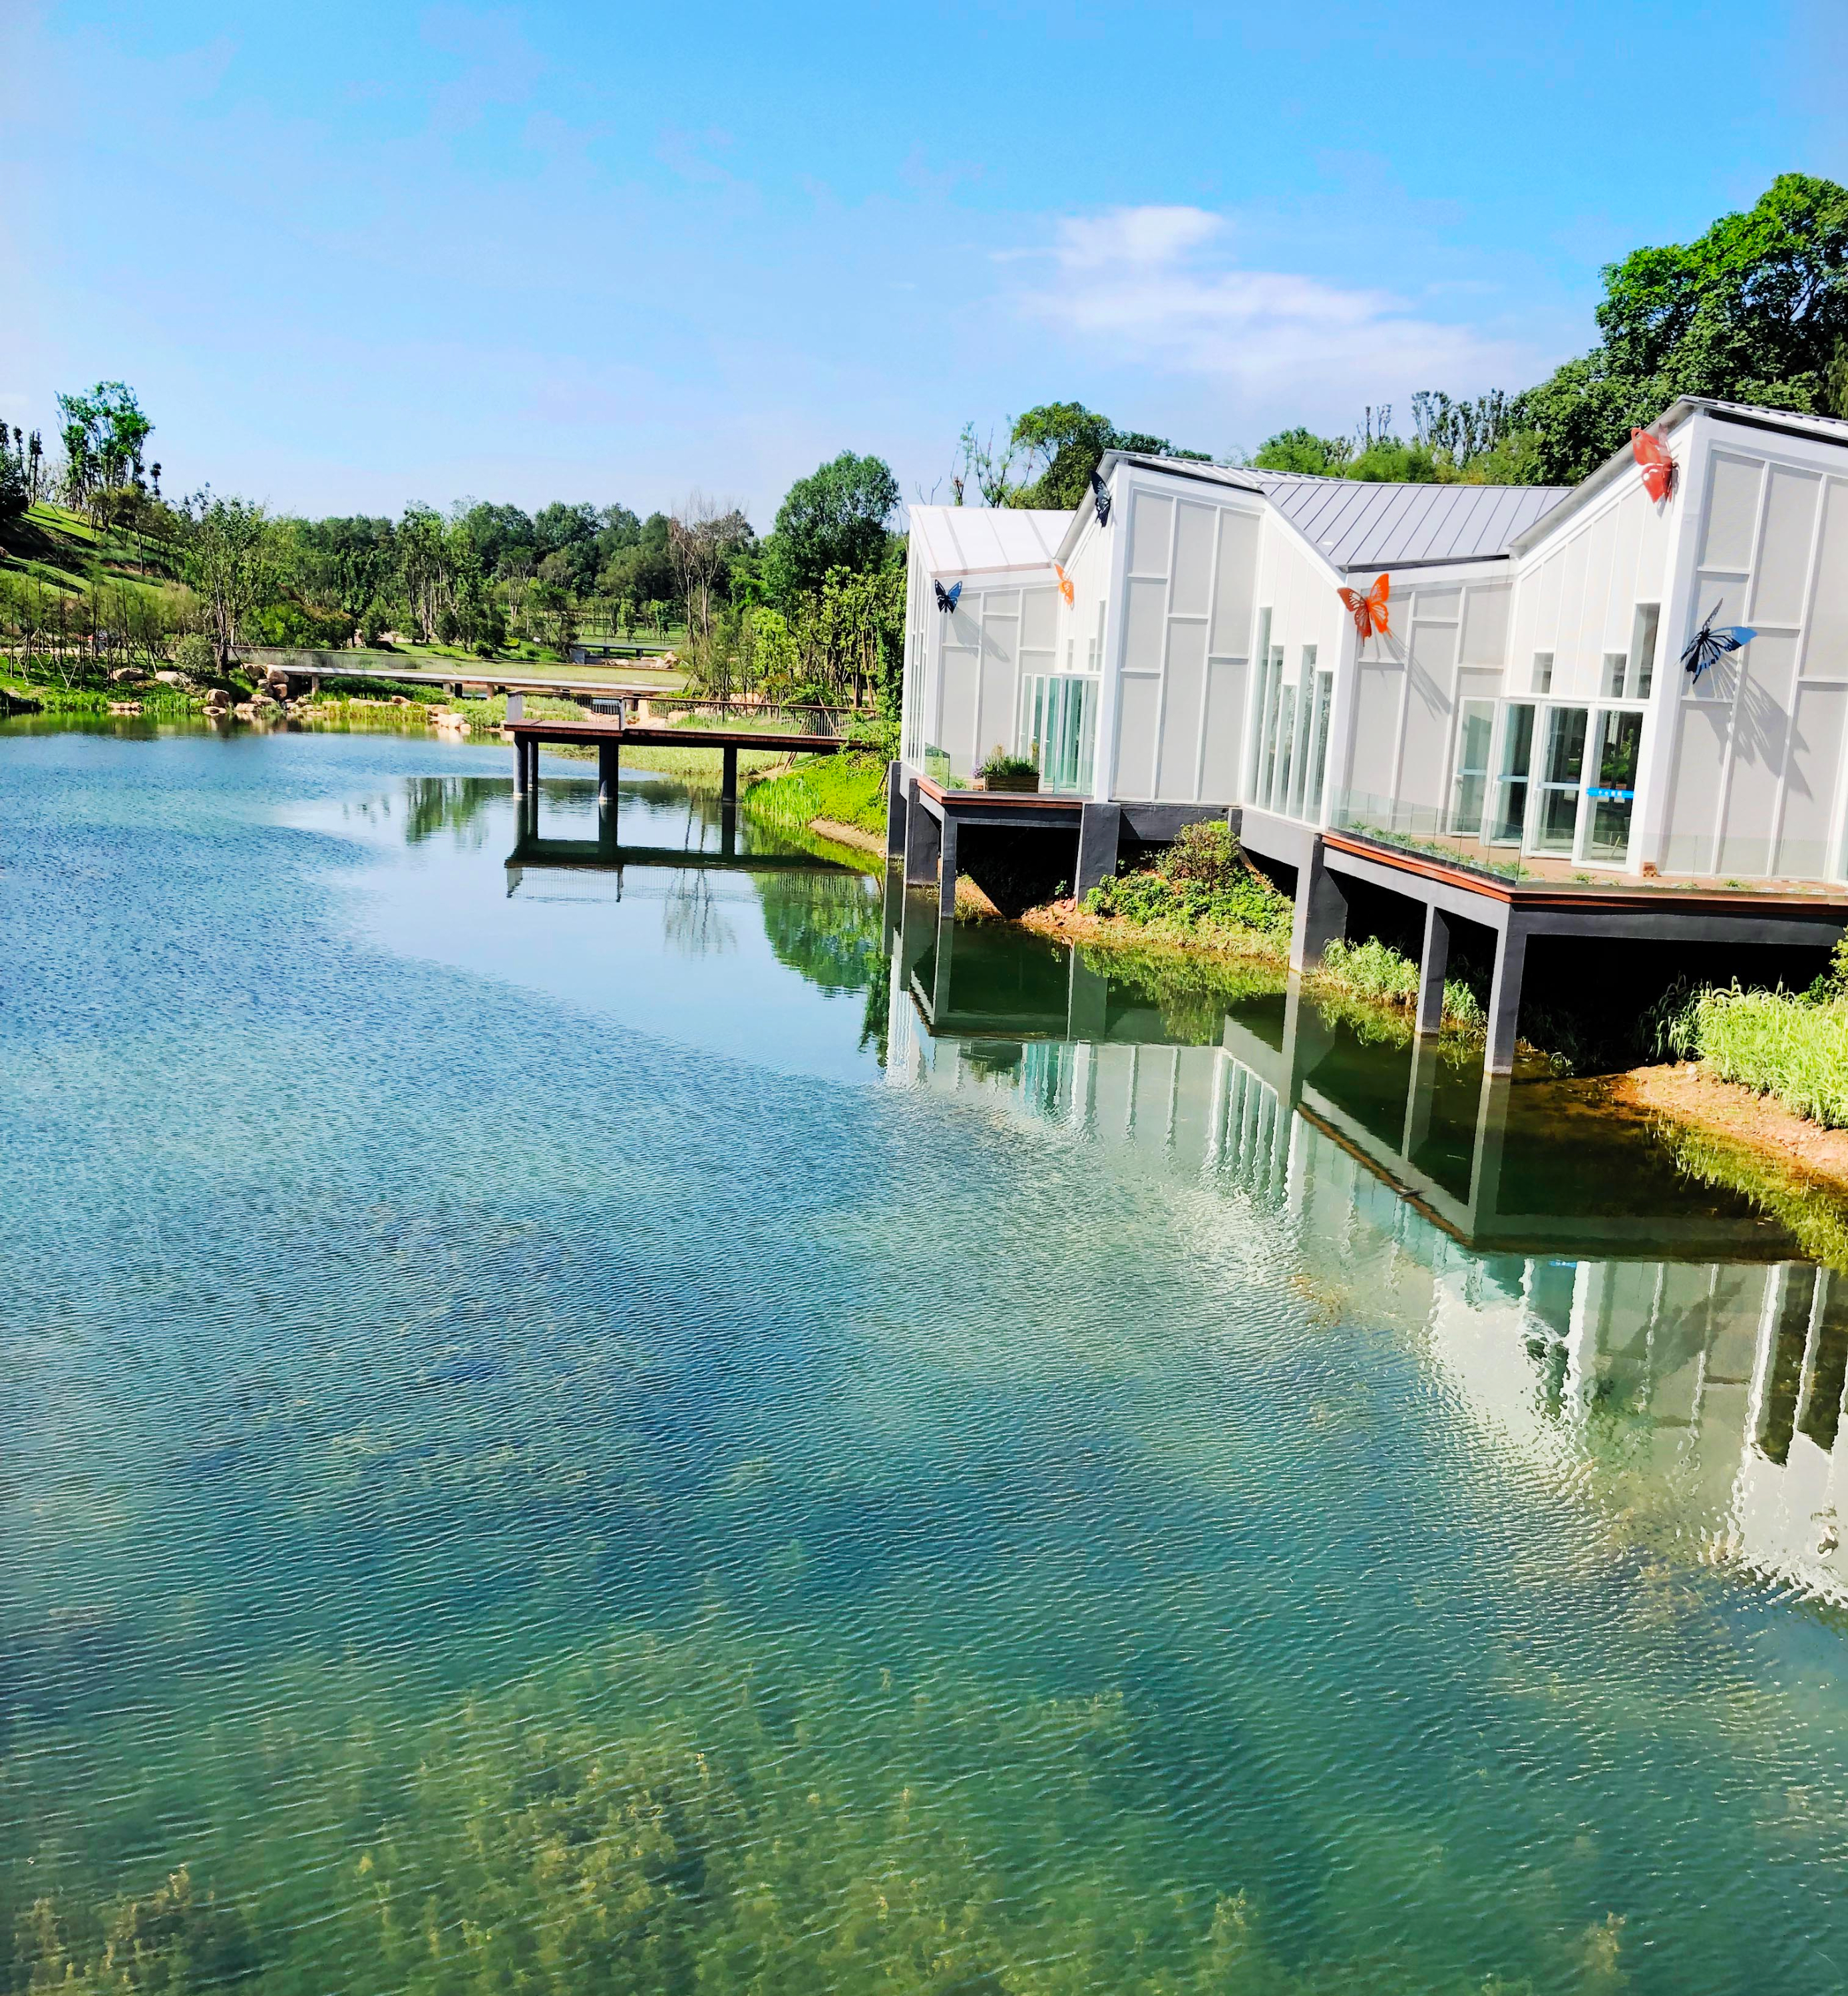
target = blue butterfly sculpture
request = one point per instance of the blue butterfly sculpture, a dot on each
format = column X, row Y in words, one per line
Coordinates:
column 1100, row 498
column 946, row 598
column 1707, row 646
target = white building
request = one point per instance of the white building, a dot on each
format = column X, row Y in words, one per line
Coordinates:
column 1186, row 644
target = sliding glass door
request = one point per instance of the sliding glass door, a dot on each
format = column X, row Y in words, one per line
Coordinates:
column 1562, row 774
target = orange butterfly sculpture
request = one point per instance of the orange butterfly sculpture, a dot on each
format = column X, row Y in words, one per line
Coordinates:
column 1065, row 583
column 1369, row 611
column 1658, row 466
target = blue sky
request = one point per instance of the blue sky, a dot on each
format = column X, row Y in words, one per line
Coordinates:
column 356, row 254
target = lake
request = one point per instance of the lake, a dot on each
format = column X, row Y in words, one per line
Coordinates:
column 673, row 1427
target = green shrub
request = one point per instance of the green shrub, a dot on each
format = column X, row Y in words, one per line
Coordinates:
column 194, row 656
column 1790, row 1044
column 1201, row 881
column 1001, row 763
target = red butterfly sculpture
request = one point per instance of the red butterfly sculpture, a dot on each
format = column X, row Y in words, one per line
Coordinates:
column 1658, row 466
column 1065, row 582
column 1369, row 611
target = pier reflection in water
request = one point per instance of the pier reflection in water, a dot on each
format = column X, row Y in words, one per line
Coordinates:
column 1574, row 1285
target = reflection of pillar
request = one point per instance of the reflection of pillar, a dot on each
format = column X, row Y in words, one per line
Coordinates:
column 1432, row 966
column 1485, row 1168
column 923, row 839
column 1321, row 911
column 1420, row 1095
column 728, row 780
column 728, row 829
column 940, row 983
column 1504, row 997
column 1307, row 1038
column 1086, row 1008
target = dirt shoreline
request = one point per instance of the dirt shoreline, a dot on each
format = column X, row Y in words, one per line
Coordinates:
column 1685, row 1094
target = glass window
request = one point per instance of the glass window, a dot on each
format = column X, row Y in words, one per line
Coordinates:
column 1562, row 771
column 1305, row 721
column 1510, row 813
column 1613, row 793
column 1643, row 649
column 1283, row 748
column 1616, row 664
column 1059, row 729
column 1469, row 790
column 1543, row 671
column 1317, row 758
column 1261, row 716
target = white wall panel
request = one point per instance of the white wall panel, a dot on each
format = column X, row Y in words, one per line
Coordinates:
column 1178, row 765
column 1134, row 777
column 1826, row 639
column 1000, row 670
column 1693, row 801
column 1732, row 511
column 1232, row 593
column 1193, row 559
column 1485, row 624
column 1144, row 626
column 1760, row 739
column 1815, row 758
column 957, row 730
column 1430, row 677
column 1039, row 618
column 1783, row 568
column 1379, row 693
column 1225, row 731
column 1151, row 528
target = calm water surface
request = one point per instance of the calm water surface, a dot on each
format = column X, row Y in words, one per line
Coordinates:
column 665, row 1429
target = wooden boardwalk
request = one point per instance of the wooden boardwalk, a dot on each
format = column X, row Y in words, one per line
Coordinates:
column 607, row 738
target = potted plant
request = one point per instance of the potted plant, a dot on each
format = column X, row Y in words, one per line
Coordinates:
column 1003, row 772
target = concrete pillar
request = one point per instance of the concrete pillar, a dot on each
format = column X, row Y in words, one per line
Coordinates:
column 1433, row 965
column 609, row 767
column 519, row 766
column 728, row 780
column 895, row 809
column 946, row 871
column 1099, row 834
column 1505, row 999
column 922, row 840
column 516, row 706
column 1321, row 911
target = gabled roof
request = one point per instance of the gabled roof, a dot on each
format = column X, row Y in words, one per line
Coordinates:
column 1353, row 523
column 973, row 540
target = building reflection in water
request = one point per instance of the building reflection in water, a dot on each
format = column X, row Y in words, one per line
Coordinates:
column 1581, row 1292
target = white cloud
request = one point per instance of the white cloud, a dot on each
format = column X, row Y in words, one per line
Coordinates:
column 1158, row 287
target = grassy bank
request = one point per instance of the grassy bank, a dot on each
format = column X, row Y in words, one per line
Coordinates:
column 1792, row 1045
column 848, row 789
column 1202, row 895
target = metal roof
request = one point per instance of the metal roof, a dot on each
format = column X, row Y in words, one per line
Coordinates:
column 1357, row 524
column 1831, row 429
column 971, row 540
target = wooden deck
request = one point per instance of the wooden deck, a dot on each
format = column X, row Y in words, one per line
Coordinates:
column 612, row 733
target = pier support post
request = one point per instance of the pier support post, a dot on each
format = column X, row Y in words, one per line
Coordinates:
column 895, row 809
column 728, row 780
column 609, row 767
column 1505, row 999
column 922, row 837
column 1099, row 833
column 946, row 871
column 519, row 766
column 1321, row 911
column 1433, row 965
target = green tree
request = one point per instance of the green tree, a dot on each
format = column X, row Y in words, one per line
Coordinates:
column 1755, row 310
column 1302, row 450
column 229, row 556
column 104, row 434
column 834, row 518
column 15, row 489
column 1067, row 442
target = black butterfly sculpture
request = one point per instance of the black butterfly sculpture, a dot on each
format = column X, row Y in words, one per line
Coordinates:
column 1707, row 646
column 946, row 598
column 1100, row 498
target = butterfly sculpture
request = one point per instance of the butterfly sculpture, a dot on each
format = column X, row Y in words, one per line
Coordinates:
column 1707, row 646
column 1369, row 611
column 1065, row 583
column 946, row 598
column 1100, row 498
column 1658, row 467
